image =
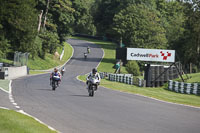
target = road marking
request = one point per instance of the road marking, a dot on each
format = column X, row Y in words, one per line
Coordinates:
column 4, row 108
column 4, row 90
column 51, row 128
column 21, row 111
column 14, row 103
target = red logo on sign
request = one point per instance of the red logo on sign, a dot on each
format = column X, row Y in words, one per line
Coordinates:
column 165, row 56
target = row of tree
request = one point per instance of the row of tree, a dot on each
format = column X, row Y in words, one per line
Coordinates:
column 171, row 24
column 40, row 26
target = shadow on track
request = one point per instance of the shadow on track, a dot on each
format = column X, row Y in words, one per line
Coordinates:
column 80, row 95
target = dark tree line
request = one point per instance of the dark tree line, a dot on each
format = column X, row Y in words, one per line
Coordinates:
column 40, row 26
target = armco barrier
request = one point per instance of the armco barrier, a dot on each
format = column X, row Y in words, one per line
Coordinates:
column 123, row 78
column 186, row 88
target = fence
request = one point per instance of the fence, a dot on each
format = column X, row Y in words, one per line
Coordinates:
column 186, row 88
column 20, row 59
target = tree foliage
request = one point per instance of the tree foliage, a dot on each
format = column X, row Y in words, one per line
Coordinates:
column 18, row 24
column 140, row 26
column 83, row 18
column 133, row 68
column 40, row 26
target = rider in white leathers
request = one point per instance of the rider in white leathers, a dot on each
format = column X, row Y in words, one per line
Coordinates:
column 94, row 74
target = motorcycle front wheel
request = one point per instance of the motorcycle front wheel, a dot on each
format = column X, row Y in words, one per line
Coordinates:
column 91, row 91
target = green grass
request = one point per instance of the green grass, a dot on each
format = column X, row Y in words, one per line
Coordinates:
column 193, row 78
column 109, row 58
column 14, row 122
column 4, row 84
column 50, row 61
column 159, row 93
column 32, row 72
column 6, row 61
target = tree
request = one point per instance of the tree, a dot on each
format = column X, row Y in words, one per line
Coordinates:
column 140, row 26
column 49, row 43
column 61, row 14
column 133, row 68
column 105, row 10
column 19, row 24
column 188, row 47
column 172, row 18
column 83, row 18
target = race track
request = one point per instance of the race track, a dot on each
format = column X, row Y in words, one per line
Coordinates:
column 70, row 110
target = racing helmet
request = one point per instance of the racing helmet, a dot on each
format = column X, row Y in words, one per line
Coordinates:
column 55, row 70
column 94, row 70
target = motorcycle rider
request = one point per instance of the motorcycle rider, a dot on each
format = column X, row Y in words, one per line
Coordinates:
column 88, row 49
column 85, row 55
column 63, row 71
column 94, row 74
column 55, row 76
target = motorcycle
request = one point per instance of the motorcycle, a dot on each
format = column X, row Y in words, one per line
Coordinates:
column 55, row 82
column 92, row 85
column 85, row 55
column 88, row 50
column 62, row 72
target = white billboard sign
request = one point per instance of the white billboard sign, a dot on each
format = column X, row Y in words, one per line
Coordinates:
column 157, row 55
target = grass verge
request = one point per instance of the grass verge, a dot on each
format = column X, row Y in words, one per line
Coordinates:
column 50, row 61
column 4, row 84
column 14, row 122
column 6, row 61
column 32, row 72
column 159, row 93
column 193, row 78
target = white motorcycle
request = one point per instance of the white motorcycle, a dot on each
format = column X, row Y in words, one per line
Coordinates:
column 92, row 85
column 85, row 55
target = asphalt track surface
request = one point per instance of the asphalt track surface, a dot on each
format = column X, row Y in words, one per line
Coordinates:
column 70, row 110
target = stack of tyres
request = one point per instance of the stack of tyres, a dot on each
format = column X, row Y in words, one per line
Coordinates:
column 166, row 75
column 157, row 74
column 163, row 75
column 170, row 74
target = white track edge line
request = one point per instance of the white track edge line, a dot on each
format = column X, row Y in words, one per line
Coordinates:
column 21, row 111
column 4, row 108
column 4, row 90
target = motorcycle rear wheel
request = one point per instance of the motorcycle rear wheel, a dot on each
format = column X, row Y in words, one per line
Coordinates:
column 53, row 85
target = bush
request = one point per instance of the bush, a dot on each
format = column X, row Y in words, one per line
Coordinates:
column 133, row 68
